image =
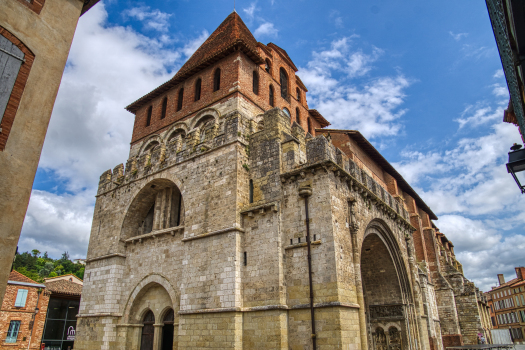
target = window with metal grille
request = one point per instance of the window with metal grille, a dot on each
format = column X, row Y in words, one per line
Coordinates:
column 284, row 83
column 21, row 297
column 12, row 332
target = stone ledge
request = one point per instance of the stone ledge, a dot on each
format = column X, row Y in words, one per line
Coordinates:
column 214, row 233
column 171, row 230
column 273, row 206
column 270, row 307
column 300, row 245
column 104, row 314
column 108, row 256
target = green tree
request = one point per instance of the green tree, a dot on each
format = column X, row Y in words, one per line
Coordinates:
column 45, row 256
column 46, row 270
column 35, row 253
column 31, row 274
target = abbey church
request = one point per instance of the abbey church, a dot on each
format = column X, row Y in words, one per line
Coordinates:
column 242, row 221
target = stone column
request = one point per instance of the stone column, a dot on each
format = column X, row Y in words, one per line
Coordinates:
column 157, row 336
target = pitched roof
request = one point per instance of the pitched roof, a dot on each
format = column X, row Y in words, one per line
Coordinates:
column 283, row 54
column 383, row 163
column 64, row 287
column 230, row 36
column 18, row 277
column 317, row 116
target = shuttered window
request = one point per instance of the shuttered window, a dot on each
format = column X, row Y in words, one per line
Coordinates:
column 21, row 297
column 12, row 332
column 11, row 58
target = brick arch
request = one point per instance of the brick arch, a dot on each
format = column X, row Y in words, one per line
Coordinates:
column 18, row 89
column 149, row 140
column 204, row 114
column 141, row 288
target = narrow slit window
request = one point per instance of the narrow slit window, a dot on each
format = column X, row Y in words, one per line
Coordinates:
column 271, row 96
column 251, row 191
column 217, row 80
column 148, row 118
column 164, row 108
column 309, row 126
column 179, row 101
column 298, row 92
column 255, row 83
column 198, row 89
column 267, row 65
column 245, row 259
column 297, row 116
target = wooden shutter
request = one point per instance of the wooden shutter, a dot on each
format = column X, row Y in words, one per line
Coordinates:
column 21, row 297
column 11, row 58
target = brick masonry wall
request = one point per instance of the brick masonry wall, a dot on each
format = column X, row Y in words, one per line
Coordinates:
column 25, row 314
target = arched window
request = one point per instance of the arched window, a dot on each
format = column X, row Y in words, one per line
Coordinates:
column 298, row 93
column 267, row 66
column 271, row 96
column 297, row 116
column 181, row 97
column 284, row 83
column 217, row 80
column 164, row 108
column 309, row 126
column 148, row 331
column 198, row 89
column 148, row 118
column 255, row 83
column 287, row 112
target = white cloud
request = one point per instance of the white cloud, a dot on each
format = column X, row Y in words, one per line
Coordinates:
column 89, row 132
column 336, row 17
column 373, row 107
column 193, row 45
column 57, row 223
column 498, row 74
column 153, row 19
column 458, row 36
column 250, row 10
column 266, row 29
column 472, row 116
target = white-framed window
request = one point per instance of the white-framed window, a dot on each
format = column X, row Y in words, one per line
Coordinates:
column 12, row 332
column 21, row 297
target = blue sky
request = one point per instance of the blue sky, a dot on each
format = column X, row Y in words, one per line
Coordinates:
column 422, row 80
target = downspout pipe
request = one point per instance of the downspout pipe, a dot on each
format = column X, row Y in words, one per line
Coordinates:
column 306, row 192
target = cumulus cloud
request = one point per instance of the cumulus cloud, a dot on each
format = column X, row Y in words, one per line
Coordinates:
column 372, row 107
column 473, row 116
column 58, row 223
column 89, row 132
column 498, row 74
column 153, row 19
column 266, row 29
column 250, row 10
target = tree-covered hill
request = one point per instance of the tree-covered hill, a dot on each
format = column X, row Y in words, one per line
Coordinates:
column 37, row 266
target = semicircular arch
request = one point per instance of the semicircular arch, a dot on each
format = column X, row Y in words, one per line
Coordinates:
column 152, row 139
column 176, row 127
column 205, row 114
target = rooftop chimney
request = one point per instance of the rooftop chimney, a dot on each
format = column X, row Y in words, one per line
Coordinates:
column 520, row 273
column 501, row 279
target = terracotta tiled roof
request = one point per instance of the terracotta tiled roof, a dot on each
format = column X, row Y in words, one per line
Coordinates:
column 18, row 277
column 317, row 116
column 230, row 36
column 64, row 287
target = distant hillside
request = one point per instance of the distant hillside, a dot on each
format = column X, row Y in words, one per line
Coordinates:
column 37, row 266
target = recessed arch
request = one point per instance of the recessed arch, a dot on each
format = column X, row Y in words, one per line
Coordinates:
column 150, row 142
column 179, row 127
column 283, row 78
column 204, row 114
column 158, row 205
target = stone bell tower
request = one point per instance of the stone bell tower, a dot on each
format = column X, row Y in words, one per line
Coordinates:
column 237, row 223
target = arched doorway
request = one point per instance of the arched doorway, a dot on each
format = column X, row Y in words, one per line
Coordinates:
column 157, row 206
column 148, row 331
column 386, row 292
column 167, row 330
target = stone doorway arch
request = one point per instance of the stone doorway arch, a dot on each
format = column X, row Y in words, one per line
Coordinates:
column 386, row 291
